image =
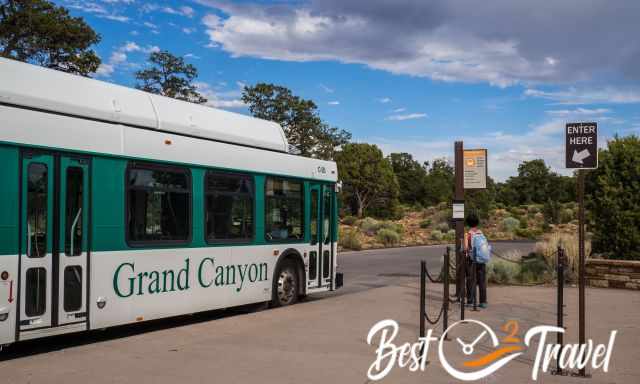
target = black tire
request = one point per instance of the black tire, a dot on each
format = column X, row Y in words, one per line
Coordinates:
column 285, row 285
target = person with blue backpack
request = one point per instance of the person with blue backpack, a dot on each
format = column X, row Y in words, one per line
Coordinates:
column 478, row 251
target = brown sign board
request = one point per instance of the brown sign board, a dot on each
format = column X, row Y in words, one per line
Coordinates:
column 475, row 168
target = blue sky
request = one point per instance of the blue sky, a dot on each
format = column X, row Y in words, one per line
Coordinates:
column 407, row 75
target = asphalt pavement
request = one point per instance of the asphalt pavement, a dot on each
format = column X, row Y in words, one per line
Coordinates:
column 383, row 267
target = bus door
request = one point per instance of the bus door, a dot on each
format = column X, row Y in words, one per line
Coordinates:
column 321, row 255
column 54, row 231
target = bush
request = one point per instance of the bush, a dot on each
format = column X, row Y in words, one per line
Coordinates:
column 443, row 227
column 450, row 235
column 398, row 228
column 510, row 224
column 566, row 216
column 524, row 223
column 436, row 235
column 551, row 212
column 369, row 226
column 534, row 269
column 349, row 220
column 388, row 237
column 502, row 272
column 425, row 223
column 548, row 249
column 350, row 239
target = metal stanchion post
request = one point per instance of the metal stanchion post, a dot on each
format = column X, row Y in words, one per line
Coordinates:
column 423, row 266
column 445, row 289
column 463, row 280
column 560, row 303
column 474, row 286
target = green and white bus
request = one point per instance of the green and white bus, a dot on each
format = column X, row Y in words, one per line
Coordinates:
column 119, row 206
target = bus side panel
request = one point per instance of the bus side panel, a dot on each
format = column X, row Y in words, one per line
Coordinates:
column 9, row 190
column 107, row 188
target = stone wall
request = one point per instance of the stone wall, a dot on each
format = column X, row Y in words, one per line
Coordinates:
column 613, row 273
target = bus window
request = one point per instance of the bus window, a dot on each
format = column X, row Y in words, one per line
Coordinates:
column 36, row 292
column 326, row 213
column 73, row 218
column 37, row 210
column 159, row 205
column 284, row 210
column 229, row 207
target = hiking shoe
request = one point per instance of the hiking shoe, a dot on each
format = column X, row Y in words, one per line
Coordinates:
column 483, row 305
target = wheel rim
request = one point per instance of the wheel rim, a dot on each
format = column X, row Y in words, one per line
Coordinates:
column 286, row 286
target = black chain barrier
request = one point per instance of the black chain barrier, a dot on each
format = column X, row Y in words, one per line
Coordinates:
column 444, row 278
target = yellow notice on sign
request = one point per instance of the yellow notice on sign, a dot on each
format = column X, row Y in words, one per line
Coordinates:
column 475, row 169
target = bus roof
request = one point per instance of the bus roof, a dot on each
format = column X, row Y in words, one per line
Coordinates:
column 55, row 91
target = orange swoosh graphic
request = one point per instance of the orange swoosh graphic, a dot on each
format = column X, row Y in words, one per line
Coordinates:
column 489, row 358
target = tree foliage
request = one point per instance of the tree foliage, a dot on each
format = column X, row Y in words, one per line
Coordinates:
column 369, row 184
column 39, row 32
column 536, row 184
column 411, row 177
column 170, row 76
column 614, row 199
column 298, row 117
column 439, row 182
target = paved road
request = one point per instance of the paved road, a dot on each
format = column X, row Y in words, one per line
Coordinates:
column 382, row 267
column 363, row 271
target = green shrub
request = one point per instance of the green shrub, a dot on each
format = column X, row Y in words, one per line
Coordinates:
column 443, row 227
column 350, row 239
column 388, row 237
column 534, row 209
column 502, row 272
column 450, row 235
column 369, row 226
column 398, row 228
column 510, row 224
column 534, row 269
column 524, row 223
column 566, row 215
column 349, row 220
column 551, row 211
column 425, row 223
column 436, row 235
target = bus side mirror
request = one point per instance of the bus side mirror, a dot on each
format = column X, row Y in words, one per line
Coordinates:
column 338, row 187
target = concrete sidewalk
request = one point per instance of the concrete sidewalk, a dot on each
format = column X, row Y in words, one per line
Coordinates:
column 324, row 340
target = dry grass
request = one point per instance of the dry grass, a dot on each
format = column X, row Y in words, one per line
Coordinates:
column 549, row 246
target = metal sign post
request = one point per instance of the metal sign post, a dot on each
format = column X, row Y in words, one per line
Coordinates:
column 581, row 152
column 459, row 222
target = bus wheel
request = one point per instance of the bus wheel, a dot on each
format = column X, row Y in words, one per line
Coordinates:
column 285, row 291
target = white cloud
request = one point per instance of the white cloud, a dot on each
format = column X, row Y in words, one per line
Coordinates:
column 409, row 116
column 97, row 10
column 220, row 99
column 325, row 88
column 335, row 102
column 500, row 42
column 105, row 70
column 119, row 57
column 574, row 96
column 384, row 100
column 188, row 31
column 182, row 11
column 152, row 27
column 579, row 112
column 399, row 110
column 191, row 56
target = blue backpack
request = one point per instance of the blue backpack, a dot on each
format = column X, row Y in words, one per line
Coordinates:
column 480, row 247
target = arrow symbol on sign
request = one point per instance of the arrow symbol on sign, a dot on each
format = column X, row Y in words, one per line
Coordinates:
column 579, row 156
